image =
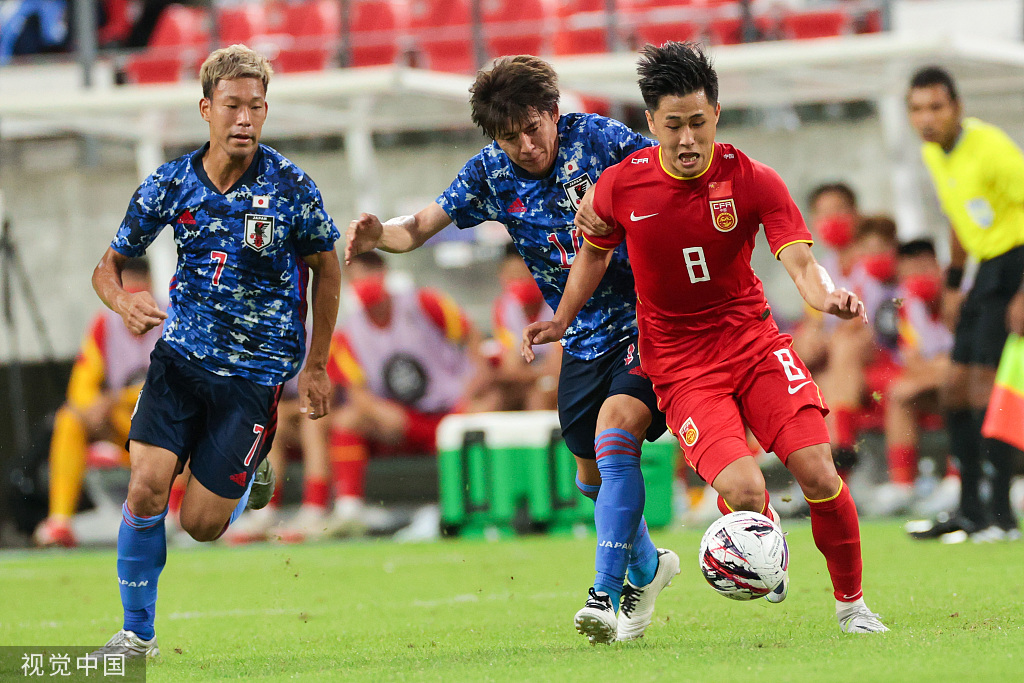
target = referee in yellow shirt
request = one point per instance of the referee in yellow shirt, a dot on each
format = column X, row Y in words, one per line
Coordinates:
column 978, row 173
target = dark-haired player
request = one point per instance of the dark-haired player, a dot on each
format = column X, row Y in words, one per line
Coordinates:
column 688, row 212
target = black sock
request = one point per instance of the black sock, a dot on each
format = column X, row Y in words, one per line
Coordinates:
column 965, row 445
column 1000, row 454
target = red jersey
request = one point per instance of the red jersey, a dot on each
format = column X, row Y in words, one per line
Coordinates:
column 690, row 239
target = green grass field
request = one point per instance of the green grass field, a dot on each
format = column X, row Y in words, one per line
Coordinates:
column 465, row 610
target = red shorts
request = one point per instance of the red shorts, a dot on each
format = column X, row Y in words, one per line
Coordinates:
column 711, row 385
column 420, row 435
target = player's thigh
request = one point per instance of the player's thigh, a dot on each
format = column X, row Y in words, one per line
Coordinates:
column 814, row 471
column 778, row 386
column 152, row 472
column 706, row 420
column 240, row 429
column 633, row 394
column 204, row 514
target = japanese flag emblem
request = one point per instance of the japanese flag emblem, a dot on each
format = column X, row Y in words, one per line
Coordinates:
column 260, row 202
column 570, row 168
column 259, row 231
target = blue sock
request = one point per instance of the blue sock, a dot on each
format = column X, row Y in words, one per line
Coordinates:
column 588, row 490
column 141, row 555
column 643, row 559
column 242, row 502
column 619, row 508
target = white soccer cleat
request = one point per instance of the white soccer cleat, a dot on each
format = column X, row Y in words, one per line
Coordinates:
column 637, row 606
column 252, row 527
column 597, row 619
column 855, row 617
column 129, row 645
column 780, row 592
column 310, row 523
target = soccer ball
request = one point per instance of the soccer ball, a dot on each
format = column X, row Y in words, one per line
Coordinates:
column 743, row 555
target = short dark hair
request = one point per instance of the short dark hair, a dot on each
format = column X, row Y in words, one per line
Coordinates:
column 935, row 75
column 881, row 225
column 370, row 259
column 839, row 188
column 918, row 247
column 137, row 266
column 504, row 98
column 675, row 69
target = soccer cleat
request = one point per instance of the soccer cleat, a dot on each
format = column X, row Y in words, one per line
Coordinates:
column 597, row 619
column 855, row 617
column 943, row 524
column 54, row 532
column 252, row 527
column 130, row 645
column 637, row 606
column 263, row 481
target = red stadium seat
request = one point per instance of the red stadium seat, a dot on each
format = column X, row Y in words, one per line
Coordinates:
column 582, row 27
column 514, row 27
column 240, row 24
column 180, row 37
column 313, row 31
column 442, row 32
column 377, row 29
column 729, row 30
column 658, row 24
column 816, row 24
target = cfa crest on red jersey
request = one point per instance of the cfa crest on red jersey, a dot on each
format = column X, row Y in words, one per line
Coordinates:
column 689, row 432
column 259, row 231
column 576, row 188
column 723, row 214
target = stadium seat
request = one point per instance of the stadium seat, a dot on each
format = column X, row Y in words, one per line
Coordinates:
column 240, row 24
column 581, row 28
column 181, row 36
column 514, row 27
column 377, row 29
column 442, row 32
column 658, row 21
column 312, row 30
column 729, row 30
column 815, row 24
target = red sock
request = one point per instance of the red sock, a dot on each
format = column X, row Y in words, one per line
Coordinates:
column 724, row 508
column 177, row 495
column 902, row 464
column 836, row 532
column 275, row 500
column 951, row 469
column 315, row 492
column 846, row 428
column 348, row 453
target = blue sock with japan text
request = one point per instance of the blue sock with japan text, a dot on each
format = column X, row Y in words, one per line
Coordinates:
column 618, row 509
column 141, row 556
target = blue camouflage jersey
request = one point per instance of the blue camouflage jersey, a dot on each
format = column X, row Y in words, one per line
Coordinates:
column 238, row 297
column 539, row 216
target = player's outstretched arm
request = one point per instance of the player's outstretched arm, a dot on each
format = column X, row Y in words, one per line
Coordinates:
column 816, row 287
column 314, row 384
column 138, row 310
column 588, row 267
column 396, row 236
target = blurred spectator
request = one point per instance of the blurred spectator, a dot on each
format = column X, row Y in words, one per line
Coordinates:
column 31, row 27
column 402, row 361
column 515, row 384
column 924, row 346
column 104, row 386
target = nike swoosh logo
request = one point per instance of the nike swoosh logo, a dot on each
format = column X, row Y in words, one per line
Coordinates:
column 793, row 390
column 634, row 217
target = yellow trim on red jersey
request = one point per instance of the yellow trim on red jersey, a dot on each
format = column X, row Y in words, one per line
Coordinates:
column 454, row 324
column 345, row 364
column 825, row 500
column 788, row 244
column 89, row 371
column 686, row 177
column 595, row 246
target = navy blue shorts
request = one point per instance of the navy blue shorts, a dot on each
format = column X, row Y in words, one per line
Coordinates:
column 583, row 386
column 222, row 426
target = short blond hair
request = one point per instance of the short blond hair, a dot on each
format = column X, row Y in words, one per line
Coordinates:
column 229, row 63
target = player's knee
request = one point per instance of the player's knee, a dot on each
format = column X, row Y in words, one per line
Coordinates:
column 745, row 498
column 818, row 479
column 202, row 529
column 145, row 498
column 627, row 413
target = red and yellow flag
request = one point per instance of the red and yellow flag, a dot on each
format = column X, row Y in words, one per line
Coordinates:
column 1005, row 417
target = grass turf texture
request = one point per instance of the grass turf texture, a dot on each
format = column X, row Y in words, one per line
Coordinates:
column 464, row 610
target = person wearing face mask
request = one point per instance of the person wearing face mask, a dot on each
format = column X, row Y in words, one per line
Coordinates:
column 978, row 175
column 104, row 385
column 401, row 362
column 924, row 343
column 517, row 385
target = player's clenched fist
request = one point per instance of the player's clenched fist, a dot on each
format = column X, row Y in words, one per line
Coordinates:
column 140, row 313
column 363, row 235
column 845, row 304
column 540, row 332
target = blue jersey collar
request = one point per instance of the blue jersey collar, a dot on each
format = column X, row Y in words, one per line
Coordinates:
column 248, row 178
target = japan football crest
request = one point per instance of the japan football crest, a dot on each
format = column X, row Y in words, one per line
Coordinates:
column 689, row 432
column 259, row 231
column 576, row 188
column 723, row 214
